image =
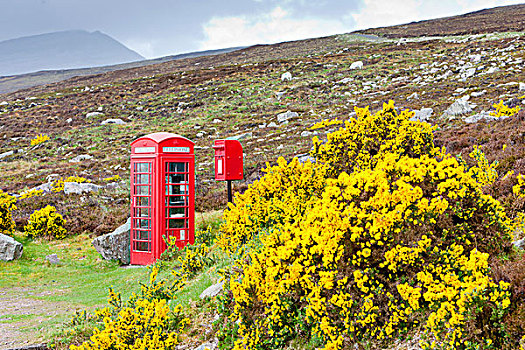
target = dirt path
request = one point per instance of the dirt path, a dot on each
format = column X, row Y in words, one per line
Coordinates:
column 24, row 316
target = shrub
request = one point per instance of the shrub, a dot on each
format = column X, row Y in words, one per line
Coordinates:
column 7, row 205
column 46, row 223
column 39, row 139
column 503, row 111
column 394, row 236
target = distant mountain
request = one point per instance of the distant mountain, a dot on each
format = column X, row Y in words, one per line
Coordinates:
column 62, row 50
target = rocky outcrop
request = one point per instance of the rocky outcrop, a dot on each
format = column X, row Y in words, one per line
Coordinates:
column 115, row 245
column 79, row 188
column 9, row 248
column 212, row 290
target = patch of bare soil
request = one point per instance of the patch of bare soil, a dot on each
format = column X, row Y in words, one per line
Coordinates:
column 23, row 315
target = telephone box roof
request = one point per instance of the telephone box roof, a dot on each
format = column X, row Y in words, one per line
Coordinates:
column 159, row 137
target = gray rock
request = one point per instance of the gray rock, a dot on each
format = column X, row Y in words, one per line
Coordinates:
column 4, row 103
column 46, row 188
column 483, row 115
column 79, row 188
column 94, row 114
column 207, row 346
column 478, row 93
column 422, row 115
column 69, row 120
column 53, row 259
column 216, row 121
column 282, row 117
column 212, row 290
column 520, row 244
column 522, row 86
column 306, row 133
column 286, row 76
column 414, row 96
column 115, row 245
column 272, row 125
column 461, row 106
column 303, row 158
column 492, row 70
column 116, row 121
column 357, row 65
column 80, row 158
column 247, row 135
column 6, row 154
column 9, row 248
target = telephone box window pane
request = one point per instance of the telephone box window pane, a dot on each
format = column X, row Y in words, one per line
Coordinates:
column 142, row 167
column 182, row 235
column 177, row 178
column 143, row 223
column 177, row 189
column 176, row 167
column 142, row 212
column 177, row 201
column 143, row 179
column 141, row 235
column 176, row 223
column 142, row 201
column 176, row 212
column 142, row 246
column 142, row 190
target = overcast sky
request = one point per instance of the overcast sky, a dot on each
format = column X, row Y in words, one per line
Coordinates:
column 156, row 28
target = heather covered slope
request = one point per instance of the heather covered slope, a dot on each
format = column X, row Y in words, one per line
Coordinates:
column 241, row 94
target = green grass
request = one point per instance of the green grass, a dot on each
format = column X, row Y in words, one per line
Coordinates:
column 80, row 281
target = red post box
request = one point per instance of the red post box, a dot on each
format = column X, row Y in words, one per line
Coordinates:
column 162, row 195
column 228, row 160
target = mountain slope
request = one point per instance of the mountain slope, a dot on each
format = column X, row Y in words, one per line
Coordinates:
column 61, row 50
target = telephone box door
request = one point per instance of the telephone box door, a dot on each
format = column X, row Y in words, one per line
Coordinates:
column 142, row 243
column 178, row 221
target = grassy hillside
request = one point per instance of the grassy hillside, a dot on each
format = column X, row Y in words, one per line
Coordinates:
column 241, row 94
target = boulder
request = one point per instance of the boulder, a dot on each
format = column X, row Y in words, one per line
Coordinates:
column 282, row 117
column 9, row 248
column 116, row 121
column 357, row 65
column 53, row 259
column 79, row 188
column 115, row 245
column 422, row 115
column 212, row 290
column 81, row 158
column 461, row 106
column 94, row 114
column 483, row 115
column 286, row 76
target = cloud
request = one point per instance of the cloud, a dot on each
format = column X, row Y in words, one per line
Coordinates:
column 386, row 13
column 275, row 26
column 474, row 5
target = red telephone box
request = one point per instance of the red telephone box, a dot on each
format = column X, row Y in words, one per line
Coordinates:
column 162, row 195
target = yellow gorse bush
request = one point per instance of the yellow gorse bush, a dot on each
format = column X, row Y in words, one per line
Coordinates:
column 7, row 205
column 146, row 321
column 385, row 241
column 503, row 111
column 39, row 139
column 46, row 223
column 31, row 193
